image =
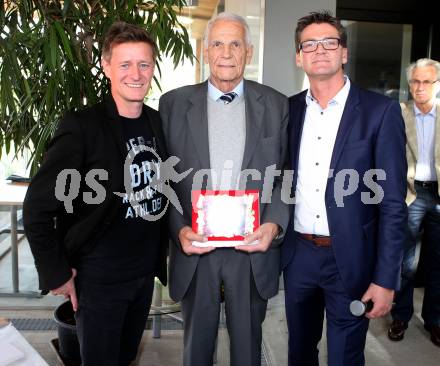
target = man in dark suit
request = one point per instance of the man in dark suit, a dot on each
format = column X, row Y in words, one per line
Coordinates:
column 346, row 236
column 103, row 250
column 226, row 125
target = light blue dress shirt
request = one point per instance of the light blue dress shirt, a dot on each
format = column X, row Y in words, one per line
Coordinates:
column 425, row 123
column 215, row 93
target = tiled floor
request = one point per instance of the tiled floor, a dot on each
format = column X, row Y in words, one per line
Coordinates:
column 415, row 349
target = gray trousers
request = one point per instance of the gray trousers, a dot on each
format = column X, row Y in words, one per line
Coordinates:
column 245, row 309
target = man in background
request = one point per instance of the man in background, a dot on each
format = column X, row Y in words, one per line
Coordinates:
column 422, row 124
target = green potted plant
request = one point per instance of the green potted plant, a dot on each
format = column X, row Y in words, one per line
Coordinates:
column 50, row 60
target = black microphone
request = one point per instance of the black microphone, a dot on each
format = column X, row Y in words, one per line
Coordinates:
column 359, row 308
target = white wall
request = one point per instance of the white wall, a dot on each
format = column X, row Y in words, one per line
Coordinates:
column 279, row 69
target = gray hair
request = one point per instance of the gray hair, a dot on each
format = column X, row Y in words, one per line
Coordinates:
column 423, row 62
column 230, row 17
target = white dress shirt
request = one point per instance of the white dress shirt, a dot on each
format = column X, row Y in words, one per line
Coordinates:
column 317, row 142
column 425, row 123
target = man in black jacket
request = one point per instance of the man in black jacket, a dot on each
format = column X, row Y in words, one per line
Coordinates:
column 100, row 249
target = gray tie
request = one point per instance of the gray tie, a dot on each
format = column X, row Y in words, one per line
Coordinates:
column 228, row 97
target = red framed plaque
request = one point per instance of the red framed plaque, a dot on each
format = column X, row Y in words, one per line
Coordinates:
column 225, row 217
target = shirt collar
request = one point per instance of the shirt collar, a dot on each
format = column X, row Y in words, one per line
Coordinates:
column 339, row 98
column 215, row 93
column 419, row 113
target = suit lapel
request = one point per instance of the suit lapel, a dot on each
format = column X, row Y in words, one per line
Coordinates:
column 197, row 119
column 411, row 129
column 298, row 114
column 255, row 106
column 349, row 118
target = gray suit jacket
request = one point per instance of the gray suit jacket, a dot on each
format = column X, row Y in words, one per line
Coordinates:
column 185, row 122
column 412, row 148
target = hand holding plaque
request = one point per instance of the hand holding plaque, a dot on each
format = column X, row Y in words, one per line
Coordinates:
column 224, row 217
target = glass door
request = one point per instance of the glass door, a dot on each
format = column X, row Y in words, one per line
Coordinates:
column 378, row 54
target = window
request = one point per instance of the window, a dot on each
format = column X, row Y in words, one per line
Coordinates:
column 378, row 54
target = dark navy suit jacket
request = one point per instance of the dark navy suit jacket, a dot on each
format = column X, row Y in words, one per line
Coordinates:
column 367, row 239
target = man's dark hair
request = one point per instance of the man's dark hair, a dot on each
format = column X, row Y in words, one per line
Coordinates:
column 324, row 16
column 122, row 32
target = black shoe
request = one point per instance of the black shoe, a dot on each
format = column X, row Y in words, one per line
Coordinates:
column 397, row 330
column 435, row 334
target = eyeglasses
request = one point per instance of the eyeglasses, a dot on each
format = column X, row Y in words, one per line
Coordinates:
column 329, row 44
column 425, row 83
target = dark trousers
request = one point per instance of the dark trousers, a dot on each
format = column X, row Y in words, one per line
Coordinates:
column 425, row 209
column 111, row 319
column 312, row 284
column 245, row 310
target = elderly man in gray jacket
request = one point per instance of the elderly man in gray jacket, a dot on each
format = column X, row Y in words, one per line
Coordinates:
column 226, row 124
